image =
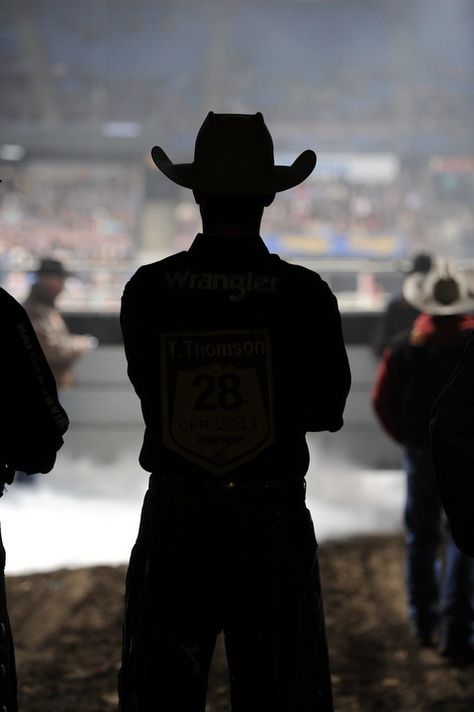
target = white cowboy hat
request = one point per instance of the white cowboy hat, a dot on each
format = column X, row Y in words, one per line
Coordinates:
column 441, row 291
column 233, row 155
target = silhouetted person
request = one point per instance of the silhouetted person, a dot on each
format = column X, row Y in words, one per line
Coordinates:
column 399, row 314
column 32, row 425
column 61, row 348
column 235, row 355
column 452, row 450
column 412, row 373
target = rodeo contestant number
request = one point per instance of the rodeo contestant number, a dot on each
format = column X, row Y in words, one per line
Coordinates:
column 223, row 392
column 217, row 396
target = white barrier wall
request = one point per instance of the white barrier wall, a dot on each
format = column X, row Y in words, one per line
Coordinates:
column 362, row 441
column 106, row 421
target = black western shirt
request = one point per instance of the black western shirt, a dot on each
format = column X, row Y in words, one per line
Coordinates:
column 235, row 355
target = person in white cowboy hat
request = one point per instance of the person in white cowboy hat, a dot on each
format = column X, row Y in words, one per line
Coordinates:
column 414, row 370
column 235, row 355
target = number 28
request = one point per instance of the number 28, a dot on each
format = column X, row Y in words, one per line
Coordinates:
column 223, row 392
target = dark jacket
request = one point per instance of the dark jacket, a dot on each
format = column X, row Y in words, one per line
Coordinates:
column 412, row 373
column 399, row 316
column 452, row 450
column 235, row 355
column 32, row 421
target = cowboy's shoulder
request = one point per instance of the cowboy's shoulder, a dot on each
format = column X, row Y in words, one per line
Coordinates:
column 11, row 309
column 303, row 279
column 403, row 340
column 13, row 314
column 148, row 274
column 7, row 299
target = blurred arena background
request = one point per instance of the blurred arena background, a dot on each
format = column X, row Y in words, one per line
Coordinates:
column 383, row 91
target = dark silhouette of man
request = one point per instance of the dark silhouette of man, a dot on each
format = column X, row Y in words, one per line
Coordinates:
column 413, row 372
column 452, row 450
column 32, row 425
column 399, row 314
column 235, row 355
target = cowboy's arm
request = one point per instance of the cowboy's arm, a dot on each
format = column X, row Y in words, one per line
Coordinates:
column 135, row 332
column 385, row 396
column 60, row 347
column 33, row 421
column 331, row 377
column 382, row 331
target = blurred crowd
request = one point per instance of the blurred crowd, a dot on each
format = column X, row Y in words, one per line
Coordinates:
column 419, row 210
column 89, row 215
column 82, row 212
column 372, row 74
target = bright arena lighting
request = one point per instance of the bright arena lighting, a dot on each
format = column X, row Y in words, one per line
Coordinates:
column 11, row 152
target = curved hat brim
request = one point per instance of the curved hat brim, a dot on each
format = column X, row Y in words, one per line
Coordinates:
column 281, row 178
column 52, row 273
column 414, row 294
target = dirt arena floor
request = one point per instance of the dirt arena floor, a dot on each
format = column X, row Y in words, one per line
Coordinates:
column 67, row 627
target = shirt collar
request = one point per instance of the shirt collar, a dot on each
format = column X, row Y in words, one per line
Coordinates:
column 233, row 248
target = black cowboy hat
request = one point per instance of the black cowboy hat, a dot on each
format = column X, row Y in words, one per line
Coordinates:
column 49, row 267
column 233, row 155
column 421, row 262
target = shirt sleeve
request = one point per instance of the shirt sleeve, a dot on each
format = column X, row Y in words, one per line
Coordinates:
column 136, row 333
column 60, row 347
column 385, row 396
column 327, row 366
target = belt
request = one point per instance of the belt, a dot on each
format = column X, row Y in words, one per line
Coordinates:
column 170, row 482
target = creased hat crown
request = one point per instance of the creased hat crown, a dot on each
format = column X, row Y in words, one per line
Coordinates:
column 441, row 291
column 49, row 266
column 240, row 141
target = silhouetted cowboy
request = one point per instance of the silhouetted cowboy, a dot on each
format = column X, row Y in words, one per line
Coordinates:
column 31, row 425
column 235, row 355
column 414, row 369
